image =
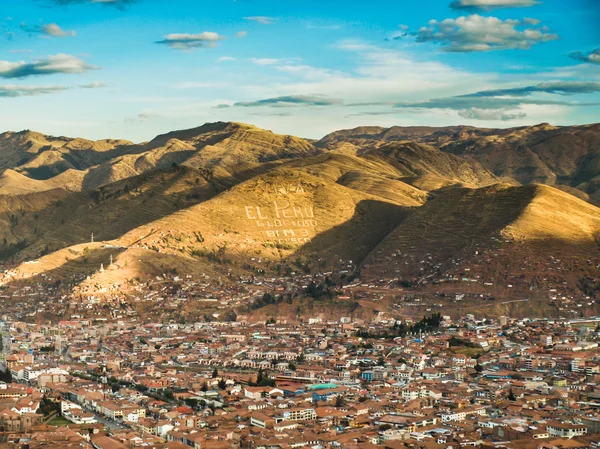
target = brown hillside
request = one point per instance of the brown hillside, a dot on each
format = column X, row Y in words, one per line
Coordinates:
column 436, row 211
column 274, row 216
column 496, row 229
column 415, row 160
column 565, row 155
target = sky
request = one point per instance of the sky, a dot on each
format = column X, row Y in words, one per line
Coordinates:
column 133, row 69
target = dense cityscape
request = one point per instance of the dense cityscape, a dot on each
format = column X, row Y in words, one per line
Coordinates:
column 435, row 383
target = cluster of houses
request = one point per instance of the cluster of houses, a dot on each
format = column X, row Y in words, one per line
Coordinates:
column 469, row 383
column 498, row 270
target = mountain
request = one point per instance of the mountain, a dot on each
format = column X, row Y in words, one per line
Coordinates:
column 42, row 157
column 125, row 191
column 416, row 161
column 373, row 136
column 79, row 164
column 422, row 212
column 567, row 157
column 467, row 223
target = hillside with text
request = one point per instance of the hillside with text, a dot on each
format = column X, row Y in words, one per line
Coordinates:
column 506, row 221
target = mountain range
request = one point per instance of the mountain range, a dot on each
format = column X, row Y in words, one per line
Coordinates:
column 421, row 209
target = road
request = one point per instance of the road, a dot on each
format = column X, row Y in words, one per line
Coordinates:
column 109, row 424
column 5, row 352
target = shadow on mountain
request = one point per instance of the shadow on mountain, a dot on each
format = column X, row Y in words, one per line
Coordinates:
column 455, row 220
column 46, row 172
column 107, row 173
column 353, row 240
column 527, row 231
column 31, row 202
column 108, row 212
column 49, row 221
column 76, row 160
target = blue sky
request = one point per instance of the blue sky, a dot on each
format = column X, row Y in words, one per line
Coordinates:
column 135, row 68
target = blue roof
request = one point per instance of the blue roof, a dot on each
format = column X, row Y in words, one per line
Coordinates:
column 321, row 386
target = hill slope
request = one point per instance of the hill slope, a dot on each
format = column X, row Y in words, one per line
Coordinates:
column 433, row 212
column 533, row 238
column 274, row 216
column 554, row 155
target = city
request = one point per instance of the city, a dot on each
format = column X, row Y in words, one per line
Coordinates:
column 435, row 383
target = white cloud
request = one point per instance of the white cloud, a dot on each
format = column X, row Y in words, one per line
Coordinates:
column 28, row 91
column 593, row 57
column 297, row 98
column 141, row 117
column 94, row 85
column 53, row 30
column 323, row 26
column 61, row 63
column 476, row 33
column 381, row 76
column 47, row 30
column 186, row 41
column 273, row 61
column 490, row 114
column 241, row 34
column 265, row 20
column 199, row 85
column 291, row 101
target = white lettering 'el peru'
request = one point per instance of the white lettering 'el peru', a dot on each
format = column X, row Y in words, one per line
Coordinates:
column 284, row 209
column 254, row 213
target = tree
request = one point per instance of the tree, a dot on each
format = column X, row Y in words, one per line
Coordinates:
column 169, row 394
column 204, row 387
column 6, row 376
column 511, row 395
column 191, row 403
column 478, row 368
column 339, row 401
column 222, row 384
column 47, row 407
column 215, row 373
column 263, row 380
